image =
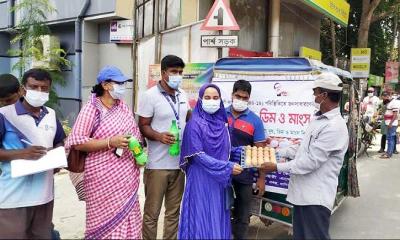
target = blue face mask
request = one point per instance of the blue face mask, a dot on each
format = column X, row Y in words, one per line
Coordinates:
column 211, row 106
column 174, row 81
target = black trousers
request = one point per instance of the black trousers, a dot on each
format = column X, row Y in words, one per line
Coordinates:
column 311, row 222
column 241, row 212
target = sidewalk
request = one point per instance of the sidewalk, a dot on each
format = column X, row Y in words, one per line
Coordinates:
column 69, row 213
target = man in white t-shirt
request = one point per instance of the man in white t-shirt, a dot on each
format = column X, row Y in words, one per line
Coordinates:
column 163, row 178
column 371, row 103
column 391, row 121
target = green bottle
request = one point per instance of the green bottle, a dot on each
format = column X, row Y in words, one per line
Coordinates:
column 137, row 150
column 174, row 149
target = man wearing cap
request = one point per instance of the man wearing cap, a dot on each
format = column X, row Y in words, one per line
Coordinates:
column 316, row 165
column 371, row 104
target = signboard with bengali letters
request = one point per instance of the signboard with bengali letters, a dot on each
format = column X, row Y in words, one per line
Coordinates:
column 211, row 41
column 285, row 104
column 310, row 53
column 338, row 10
column 121, row 31
column 360, row 62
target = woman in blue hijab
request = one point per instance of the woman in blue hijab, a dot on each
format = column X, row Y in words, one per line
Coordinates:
column 205, row 213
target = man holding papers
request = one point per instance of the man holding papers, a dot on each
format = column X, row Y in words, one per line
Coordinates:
column 27, row 130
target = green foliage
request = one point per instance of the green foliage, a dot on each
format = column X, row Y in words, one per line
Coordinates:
column 381, row 36
column 30, row 30
column 66, row 127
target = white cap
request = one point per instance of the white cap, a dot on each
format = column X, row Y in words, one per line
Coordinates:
column 329, row 81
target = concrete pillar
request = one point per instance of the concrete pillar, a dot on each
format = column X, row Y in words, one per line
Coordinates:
column 275, row 12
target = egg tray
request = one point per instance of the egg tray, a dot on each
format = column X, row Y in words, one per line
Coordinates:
column 243, row 158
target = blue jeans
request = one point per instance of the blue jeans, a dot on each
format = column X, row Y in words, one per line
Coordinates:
column 391, row 138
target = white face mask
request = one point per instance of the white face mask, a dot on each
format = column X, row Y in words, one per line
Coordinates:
column 211, row 106
column 317, row 105
column 174, row 81
column 370, row 94
column 239, row 105
column 118, row 91
column 36, row 98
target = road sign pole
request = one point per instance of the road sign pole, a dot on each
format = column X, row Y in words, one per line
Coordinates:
column 220, row 49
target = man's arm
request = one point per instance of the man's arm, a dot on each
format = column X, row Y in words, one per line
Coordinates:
column 394, row 118
column 30, row 153
column 148, row 132
column 60, row 135
column 319, row 150
column 188, row 115
column 318, row 153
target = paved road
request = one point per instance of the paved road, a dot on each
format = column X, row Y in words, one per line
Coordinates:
column 376, row 214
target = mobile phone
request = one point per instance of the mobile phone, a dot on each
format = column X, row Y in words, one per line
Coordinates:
column 119, row 152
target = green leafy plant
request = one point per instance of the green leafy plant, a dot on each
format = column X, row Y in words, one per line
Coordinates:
column 66, row 127
column 30, row 29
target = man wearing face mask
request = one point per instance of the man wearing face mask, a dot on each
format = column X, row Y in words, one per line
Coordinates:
column 382, row 109
column 27, row 130
column 371, row 104
column 163, row 178
column 316, row 165
column 245, row 128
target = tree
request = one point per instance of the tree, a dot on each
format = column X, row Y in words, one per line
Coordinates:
column 381, row 34
column 30, row 29
column 373, row 11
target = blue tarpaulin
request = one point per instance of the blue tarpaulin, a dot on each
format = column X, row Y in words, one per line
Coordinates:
column 264, row 64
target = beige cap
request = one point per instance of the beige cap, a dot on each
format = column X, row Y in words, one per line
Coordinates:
column 329, row 81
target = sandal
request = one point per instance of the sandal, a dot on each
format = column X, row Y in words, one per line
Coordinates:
column 384, row 156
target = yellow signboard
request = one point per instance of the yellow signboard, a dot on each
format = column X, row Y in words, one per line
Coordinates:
column 360, row 62
column 310, row 53
column 338, row 10
column 360, row 67
column 361, row 52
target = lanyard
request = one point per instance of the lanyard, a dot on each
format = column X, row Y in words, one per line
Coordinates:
column 173, row 108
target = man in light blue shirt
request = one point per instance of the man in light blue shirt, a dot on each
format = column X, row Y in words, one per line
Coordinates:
column 316, row 164
column 27, row 130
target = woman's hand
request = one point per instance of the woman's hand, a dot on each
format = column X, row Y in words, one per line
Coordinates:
column 237, row 169
column 119, row 141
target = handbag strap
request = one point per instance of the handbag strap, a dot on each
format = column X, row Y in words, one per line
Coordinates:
column 96, row 122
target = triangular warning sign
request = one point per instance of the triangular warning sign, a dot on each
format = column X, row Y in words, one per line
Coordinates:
column 220, row 17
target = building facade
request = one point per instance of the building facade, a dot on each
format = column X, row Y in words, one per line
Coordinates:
column 163, row 27
column 94, row 48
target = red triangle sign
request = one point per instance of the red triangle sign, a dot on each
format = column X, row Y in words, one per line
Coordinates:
column 220, row 17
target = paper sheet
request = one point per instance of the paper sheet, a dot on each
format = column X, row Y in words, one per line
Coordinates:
column 54, row 158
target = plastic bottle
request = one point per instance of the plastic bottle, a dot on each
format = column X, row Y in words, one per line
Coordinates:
column 174, row 149
column 137, row 150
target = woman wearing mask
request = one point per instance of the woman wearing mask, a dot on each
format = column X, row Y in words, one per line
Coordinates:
column 111, row 178
column 204, row 158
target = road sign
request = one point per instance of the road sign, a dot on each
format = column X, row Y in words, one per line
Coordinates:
column 210, row 41
column 360, row 62
column 220, row 17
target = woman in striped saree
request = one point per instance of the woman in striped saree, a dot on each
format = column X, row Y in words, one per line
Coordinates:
column 111, row 180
